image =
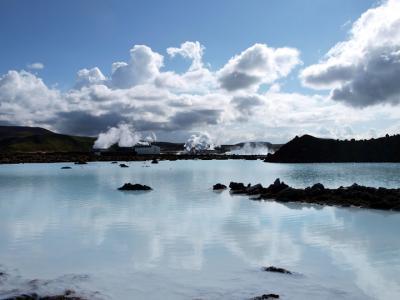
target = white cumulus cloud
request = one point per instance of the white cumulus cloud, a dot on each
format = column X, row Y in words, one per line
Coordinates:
column 257, row 65
column 365, row 69
column 144, row 65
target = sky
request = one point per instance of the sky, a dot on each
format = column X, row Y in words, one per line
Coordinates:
column 229, row 70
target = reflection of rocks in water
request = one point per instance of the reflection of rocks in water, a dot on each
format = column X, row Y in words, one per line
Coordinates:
column 14, row 287
column 301, row 205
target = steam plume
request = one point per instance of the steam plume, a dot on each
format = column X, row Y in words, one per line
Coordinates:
column 251, row 149
column 124, row 135
column 198, row 143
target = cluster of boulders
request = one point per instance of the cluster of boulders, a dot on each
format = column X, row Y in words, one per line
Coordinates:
column 354, row 195
column 135, row 187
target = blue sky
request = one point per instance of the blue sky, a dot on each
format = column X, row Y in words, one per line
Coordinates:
column 69, row 35
column 226, row 70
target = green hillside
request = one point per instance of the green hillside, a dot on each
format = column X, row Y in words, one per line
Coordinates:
column 35, row 139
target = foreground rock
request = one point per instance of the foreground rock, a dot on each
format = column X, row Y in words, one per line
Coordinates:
column 135, row 187
column 124, row 166
column 276, row 270
column 219, row 187
column 266, row 296
column 65, row 168
column 154, row 161
column 68, row 295
column 354, row 195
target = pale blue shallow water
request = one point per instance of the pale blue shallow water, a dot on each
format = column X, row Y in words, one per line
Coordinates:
column 74, row 229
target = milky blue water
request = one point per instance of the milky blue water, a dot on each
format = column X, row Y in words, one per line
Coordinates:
column 74, row 229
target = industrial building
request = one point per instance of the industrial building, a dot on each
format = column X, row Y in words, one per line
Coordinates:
column 147, row 149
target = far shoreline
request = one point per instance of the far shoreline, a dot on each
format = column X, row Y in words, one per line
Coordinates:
column 72, row 157
column 87, row 157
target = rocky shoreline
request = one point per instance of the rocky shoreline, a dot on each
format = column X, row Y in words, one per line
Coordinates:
column 354, row 195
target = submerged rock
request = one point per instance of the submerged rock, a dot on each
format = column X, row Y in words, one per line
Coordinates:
column 135, row 187
column 219, row 186
column 65, row 168
column 124, row 166
column 266, row 296
column 276, row 270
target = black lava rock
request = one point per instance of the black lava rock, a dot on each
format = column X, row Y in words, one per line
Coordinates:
column 276, row 270
column 266, row 297
column 219, row 186
column 237, row 186
column 134, row 187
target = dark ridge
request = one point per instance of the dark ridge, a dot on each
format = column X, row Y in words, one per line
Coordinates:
column 309, row 149
column 34, row 139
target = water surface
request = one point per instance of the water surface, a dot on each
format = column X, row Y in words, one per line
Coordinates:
column 72, row 228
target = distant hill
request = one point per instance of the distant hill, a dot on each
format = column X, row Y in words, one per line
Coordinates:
column 35, row 139
column 309, row 149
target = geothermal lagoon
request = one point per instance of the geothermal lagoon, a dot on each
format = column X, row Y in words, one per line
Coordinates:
column 72, row 229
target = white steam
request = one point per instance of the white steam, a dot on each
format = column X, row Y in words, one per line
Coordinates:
column 124, row 135
column 198, row 143
column 251, row 149
column 151, row 138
